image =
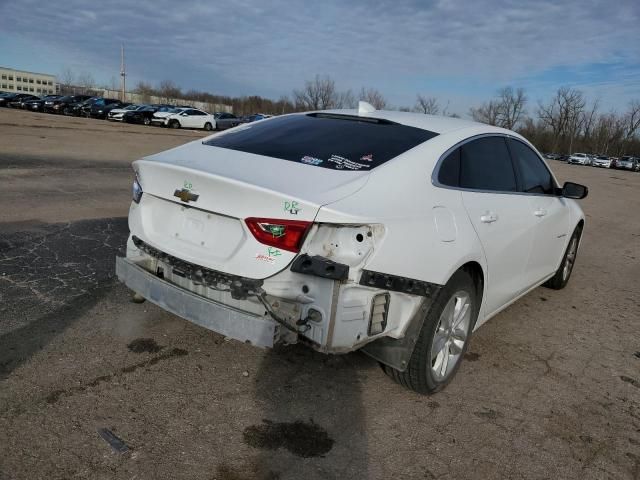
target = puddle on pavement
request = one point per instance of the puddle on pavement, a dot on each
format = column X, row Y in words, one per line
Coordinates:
column 300, row 438
column 144, row 345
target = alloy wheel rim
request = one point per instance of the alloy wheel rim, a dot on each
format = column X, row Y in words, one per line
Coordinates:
column 570, row 259
column 451, row 335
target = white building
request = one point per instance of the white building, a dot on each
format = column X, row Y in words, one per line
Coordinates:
column 20, row 81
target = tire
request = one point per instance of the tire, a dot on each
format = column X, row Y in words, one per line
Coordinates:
column 563, row 274
column 146, row 121
column 174, row 124
column 208, row 127
column 66, row 111
column 427, row 373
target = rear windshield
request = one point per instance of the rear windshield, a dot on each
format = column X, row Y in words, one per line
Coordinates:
column 337, row 142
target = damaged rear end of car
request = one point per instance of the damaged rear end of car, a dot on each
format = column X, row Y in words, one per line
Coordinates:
column 236, row 234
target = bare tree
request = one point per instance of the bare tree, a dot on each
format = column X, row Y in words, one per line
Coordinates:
column 373, row 97
column 346, row 99
column 506, row 110
column 168, row 91
column 511, row 105
column 317, row 94
column 607, row 133
column 427, row 105
column 86, row 82
column 67, row 79
column 488, row 113
column 145, row 90
column 588, row 121
column 632, row 119
column 564, row 115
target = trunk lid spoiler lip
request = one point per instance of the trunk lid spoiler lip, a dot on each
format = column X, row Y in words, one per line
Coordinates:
column 338, row 189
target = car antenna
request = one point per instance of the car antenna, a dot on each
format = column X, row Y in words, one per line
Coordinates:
column 364, row 107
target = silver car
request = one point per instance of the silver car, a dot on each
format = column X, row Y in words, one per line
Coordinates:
column 627, row 163
column 225, row 120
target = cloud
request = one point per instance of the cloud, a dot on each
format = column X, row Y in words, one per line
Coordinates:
column 269, row 48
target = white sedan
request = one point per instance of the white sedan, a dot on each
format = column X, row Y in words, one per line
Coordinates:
column 579, row 159
column 191, row 118
column 395, row 233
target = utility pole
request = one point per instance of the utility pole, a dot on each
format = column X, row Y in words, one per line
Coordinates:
column 123, row 74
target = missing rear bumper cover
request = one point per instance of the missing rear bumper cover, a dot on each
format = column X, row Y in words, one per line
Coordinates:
column 239, row 287
column 394, row 283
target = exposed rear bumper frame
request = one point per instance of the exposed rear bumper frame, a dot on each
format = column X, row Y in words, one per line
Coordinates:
column 243, row 326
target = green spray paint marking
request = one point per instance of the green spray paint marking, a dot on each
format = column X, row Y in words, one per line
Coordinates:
column 276, row 230
column 273, row 252
column 292, row 207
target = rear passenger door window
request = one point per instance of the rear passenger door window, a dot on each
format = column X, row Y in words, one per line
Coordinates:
column 534, row 175
column 485, row 164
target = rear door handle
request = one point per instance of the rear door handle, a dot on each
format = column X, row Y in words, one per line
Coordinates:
column 489, row 217
column 541, row 212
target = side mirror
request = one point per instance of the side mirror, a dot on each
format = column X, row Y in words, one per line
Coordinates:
column 574, row 190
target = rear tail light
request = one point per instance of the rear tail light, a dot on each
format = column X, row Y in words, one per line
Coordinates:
column 284, row 234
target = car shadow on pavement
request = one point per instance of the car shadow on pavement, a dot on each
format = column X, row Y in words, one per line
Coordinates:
column 50, row 275
column 313, row 422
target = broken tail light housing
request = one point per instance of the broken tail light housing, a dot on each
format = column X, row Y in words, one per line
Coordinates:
column 136, row 190
column 285, row 234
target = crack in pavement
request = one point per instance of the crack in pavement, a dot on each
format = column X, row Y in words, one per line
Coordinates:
column 56, row 395
column 50, row 274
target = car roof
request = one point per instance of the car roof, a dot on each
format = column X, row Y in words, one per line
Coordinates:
column 434, row 123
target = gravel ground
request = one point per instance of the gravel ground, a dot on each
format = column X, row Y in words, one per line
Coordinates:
column 550, row 388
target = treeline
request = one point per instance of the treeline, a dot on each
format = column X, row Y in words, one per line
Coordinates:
column 567, row 122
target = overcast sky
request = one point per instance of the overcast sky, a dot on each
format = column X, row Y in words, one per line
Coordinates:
column 460, row 52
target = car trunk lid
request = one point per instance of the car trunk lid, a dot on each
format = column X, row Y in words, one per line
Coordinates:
column 197, row 197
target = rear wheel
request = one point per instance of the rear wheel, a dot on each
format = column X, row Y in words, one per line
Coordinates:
column 147, row 121
column 443, row 339
column 562, row 275
column 208, row 127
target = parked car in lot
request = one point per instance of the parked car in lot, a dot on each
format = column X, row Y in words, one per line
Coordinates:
column 64, row 105
column 254, row 118
column 627, row 162
column 11, row 98
column 579, row 159
column 100, row 107
column 602, row 161
column 225, row 120
column 142, row 115
column 19, row 102
column 78, row 109
column 318, row 253
column 117, row 114
column 160, row 116
column 553, row 156
column 191, row 118
column 37, row 105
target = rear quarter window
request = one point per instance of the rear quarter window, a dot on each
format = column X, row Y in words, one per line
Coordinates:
column 337, row 142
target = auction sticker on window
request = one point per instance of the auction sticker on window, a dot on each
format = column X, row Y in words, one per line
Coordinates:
column 346, row 164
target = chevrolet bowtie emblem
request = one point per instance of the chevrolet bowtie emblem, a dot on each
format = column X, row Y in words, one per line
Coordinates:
column 185, row 195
